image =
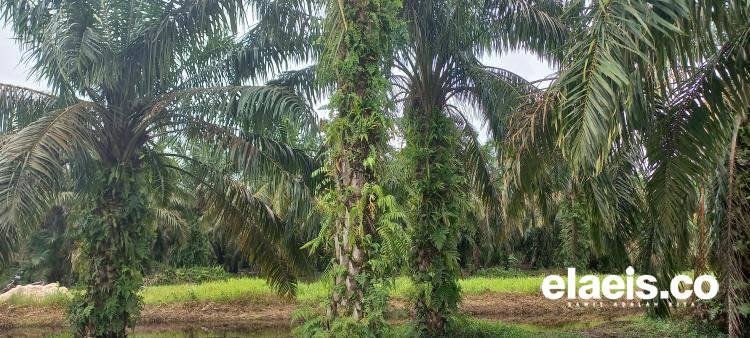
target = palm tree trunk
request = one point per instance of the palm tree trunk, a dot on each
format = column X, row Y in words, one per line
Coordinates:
column 350, row 253
column 432, row 142
column 115, row 244
column 356, row 139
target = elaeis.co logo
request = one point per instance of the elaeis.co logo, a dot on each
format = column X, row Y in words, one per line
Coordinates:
column 629, row 290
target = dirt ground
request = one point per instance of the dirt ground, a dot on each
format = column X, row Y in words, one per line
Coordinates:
column 537, row 310
column 246, row 316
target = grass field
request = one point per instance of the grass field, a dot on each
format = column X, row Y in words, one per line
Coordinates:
column 257, row 289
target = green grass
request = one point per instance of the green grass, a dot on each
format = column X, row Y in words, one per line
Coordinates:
column 255, row 289
column 461, row 328
column 55, row 299
column 644, row 326
column 467, row 327
column 232, row 289
column 479, row 285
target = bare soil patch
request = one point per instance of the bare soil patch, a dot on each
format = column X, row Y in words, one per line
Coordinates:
column 220, row 316
column 255, row 316
column 13, row 316
column 537, row 310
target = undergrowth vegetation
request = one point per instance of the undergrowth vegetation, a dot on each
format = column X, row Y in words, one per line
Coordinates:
column 189, row 275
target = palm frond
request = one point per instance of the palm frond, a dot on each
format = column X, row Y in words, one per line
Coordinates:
column 180, row 25
column 20, row 106
column 479, row 175
column 304, row 81
column 496, row 93
column 287, row 33
column 693, row 128
column 258, row 109
column 531, row 25
column 32, row 163
column 597, row 85
column 261, row 235
column 169, row 223
column 533, row 168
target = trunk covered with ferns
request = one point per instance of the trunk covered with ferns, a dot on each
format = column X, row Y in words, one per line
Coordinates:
column 432, row 142
column 356, row 138
column 115, row 240
column 115, row 236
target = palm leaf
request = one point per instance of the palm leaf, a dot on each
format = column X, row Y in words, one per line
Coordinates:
column 20, row 106
column 260, row 234
column 258, row 109
column 597, row 84
column 32, row 163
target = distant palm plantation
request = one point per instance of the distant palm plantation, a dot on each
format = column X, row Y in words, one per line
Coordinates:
column 347, row 144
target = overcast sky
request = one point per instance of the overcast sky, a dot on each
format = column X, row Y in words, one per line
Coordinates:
column 11, row 69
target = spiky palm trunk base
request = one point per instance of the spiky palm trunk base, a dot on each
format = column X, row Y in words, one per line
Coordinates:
column 432, row 144
column 348, row 294
column 115, row 243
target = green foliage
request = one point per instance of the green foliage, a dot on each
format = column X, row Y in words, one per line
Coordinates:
column 670, row 328
column 186, row 245
column 125, row 122
column 574, row 235
column 734, row 233
column 359, row 228
column 115, row 243
column 502, row 272
column 441, row 81
column 47, row 253
column 189, row 275
column 312, row 324
column 465, row 327
column 434, row 219
column 639, row 118
column 254, row 290
column 55, row 300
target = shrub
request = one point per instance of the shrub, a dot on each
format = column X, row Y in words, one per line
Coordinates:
column 191, row 275
column 501, row 272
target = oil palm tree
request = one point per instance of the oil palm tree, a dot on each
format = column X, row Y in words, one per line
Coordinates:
column 122, row 118
column 440, row 83
column 358, row 44
column 668, row 81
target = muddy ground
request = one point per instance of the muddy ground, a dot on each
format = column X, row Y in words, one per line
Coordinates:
column 28, row 320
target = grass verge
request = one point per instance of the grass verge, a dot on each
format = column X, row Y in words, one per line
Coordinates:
column 255, row 289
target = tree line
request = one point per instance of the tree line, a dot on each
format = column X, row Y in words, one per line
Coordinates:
column 163, row 117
